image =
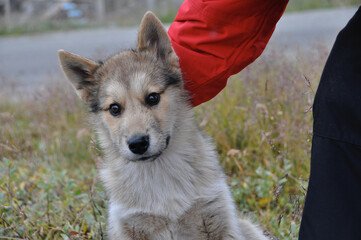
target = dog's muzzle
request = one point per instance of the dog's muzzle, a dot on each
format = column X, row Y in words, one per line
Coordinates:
column 140, row 144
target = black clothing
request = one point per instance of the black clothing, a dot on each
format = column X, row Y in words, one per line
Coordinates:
column 333, row 202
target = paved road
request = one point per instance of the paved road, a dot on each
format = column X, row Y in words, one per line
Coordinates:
column 30, row 60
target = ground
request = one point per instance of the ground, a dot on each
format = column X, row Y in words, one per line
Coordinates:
column 261, row 124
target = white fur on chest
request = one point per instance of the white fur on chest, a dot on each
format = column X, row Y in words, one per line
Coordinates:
column 117, row 212
column 166, row 187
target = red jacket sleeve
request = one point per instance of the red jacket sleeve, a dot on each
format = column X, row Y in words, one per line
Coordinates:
column 216, row 39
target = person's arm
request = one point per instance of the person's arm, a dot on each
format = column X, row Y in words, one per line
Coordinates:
column 216, row 39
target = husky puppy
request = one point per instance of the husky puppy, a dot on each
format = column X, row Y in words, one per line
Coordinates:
column 160, row 172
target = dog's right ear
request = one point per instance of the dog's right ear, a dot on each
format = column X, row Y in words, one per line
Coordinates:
column 153, row 37
column 80, row 71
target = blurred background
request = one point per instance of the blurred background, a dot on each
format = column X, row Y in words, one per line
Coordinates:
column 21, row 16
column 261, row 123
column 25, row 16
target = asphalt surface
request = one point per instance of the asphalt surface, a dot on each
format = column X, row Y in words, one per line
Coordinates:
column 28, row 61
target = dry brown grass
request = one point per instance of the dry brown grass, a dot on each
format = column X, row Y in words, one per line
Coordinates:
column 261, row 124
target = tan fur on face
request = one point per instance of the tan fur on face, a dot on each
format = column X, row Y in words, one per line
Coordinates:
column 134, row 77
column 182, row 193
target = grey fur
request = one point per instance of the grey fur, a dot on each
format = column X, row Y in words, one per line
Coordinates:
column 181, row 193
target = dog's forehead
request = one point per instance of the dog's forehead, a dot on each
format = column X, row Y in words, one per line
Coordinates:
column 132, row 70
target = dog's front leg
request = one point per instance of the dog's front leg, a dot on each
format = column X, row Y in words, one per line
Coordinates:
column 142, row 226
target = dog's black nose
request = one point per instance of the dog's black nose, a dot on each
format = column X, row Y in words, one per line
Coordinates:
column 138, row 144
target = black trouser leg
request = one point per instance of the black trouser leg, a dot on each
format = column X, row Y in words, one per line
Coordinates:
column 333, row 202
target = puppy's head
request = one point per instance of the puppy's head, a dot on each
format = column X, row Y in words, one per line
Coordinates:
column 135, row 96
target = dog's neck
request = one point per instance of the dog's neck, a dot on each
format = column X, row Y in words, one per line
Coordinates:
column 169, row 184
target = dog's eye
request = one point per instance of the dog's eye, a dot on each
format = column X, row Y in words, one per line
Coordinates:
column 152, row 99
column 115, row 109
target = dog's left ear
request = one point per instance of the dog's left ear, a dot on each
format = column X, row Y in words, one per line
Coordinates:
column 153, row 37
column 80, row 71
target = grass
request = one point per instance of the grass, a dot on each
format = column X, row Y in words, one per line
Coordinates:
column 45, row 26
column 261, row 124
column 49, row 188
